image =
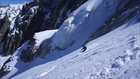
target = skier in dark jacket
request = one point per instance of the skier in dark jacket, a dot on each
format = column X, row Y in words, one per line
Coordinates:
column 84, row 48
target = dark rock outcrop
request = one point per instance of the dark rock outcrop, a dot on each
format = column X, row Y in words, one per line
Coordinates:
column 5, row 69
column 49, row 15
column 36, row 16
column 4, row 28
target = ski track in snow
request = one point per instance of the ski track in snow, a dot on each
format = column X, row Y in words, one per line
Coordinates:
column 108, row 57
column 39, row 75
column 126, row 58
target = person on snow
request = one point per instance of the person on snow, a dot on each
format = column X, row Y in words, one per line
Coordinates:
column 84, row 48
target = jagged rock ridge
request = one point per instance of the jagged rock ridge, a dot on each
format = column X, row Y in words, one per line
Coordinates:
column 34, row 17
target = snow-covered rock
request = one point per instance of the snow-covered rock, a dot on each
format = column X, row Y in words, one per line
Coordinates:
column 33, row 17
column 41, row 36
column 84, row 21
column 11, row 11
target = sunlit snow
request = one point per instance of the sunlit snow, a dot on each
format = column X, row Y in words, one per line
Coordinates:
column 115, row 55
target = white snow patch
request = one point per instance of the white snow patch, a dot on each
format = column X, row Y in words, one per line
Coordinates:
column 2, row 60
column 84, row 21
column 45, row 73
column 40, row 36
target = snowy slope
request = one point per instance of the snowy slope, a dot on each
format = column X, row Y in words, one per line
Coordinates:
column 80, row 23
column 40, row 36
column 15, row 66
column 115, row 55
column 2, row 60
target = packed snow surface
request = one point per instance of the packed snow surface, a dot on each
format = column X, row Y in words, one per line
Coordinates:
column 40, row 36
column 115, row 55
column 84, row 21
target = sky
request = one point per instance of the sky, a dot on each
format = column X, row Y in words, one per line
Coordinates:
column 14, row 1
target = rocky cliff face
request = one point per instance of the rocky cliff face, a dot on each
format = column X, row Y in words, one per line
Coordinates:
column 8, row 15
column 34, row 17
column 124, row 12
column 22, row 22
